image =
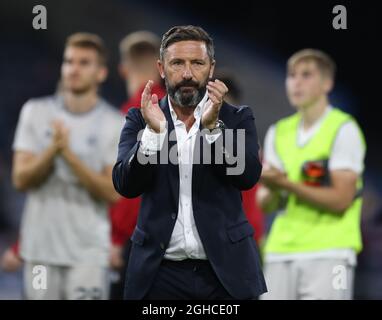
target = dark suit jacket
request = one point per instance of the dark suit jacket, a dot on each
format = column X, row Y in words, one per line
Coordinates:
column 226, row 235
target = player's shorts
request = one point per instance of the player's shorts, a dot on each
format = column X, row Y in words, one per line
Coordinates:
column 50, row 282
column 309, row 279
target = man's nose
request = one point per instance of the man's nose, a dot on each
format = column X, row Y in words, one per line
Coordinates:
column 299, row 79
column 70, row 70
column 187, row 74
column 296, row 82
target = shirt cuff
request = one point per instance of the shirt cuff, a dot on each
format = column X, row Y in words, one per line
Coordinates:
column 211, row 138
column 151, row 141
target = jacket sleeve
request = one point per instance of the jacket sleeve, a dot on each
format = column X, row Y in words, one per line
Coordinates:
column 235, row 154
column 133, row 172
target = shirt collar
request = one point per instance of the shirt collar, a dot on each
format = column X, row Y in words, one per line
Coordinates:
column 198, row 111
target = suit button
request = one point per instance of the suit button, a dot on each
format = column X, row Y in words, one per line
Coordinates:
column 173, row 216
column 162, row 245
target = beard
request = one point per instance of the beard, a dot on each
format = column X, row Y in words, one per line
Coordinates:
column 186, row 93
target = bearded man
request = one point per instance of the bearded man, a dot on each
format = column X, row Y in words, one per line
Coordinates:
column 195, row 155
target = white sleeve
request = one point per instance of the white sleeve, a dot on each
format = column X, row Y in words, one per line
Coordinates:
column 25, row 137
column 348, row 149
column 271, row 157
column 151, row 142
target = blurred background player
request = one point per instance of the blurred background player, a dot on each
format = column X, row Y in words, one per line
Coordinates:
column 314, row 159
column 10, row 260
column 139, row 52
column 64, row 149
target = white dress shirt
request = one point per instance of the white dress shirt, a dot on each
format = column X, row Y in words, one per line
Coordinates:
column 185, row 242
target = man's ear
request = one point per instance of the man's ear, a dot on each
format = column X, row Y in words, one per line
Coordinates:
column 213, row 63
column 102, row 74
column 160, row 68
column 122, row 70
column 328, row 85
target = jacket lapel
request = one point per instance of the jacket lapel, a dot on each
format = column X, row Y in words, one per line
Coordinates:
column 173, row 169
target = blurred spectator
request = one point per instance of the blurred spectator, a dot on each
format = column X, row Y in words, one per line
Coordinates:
column 64, row 149
column 314, row 161
column 139, row 52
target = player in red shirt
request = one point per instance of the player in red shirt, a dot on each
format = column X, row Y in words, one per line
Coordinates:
column 139, row 52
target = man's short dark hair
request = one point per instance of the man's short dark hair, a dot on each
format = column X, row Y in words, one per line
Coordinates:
column 187, row 33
